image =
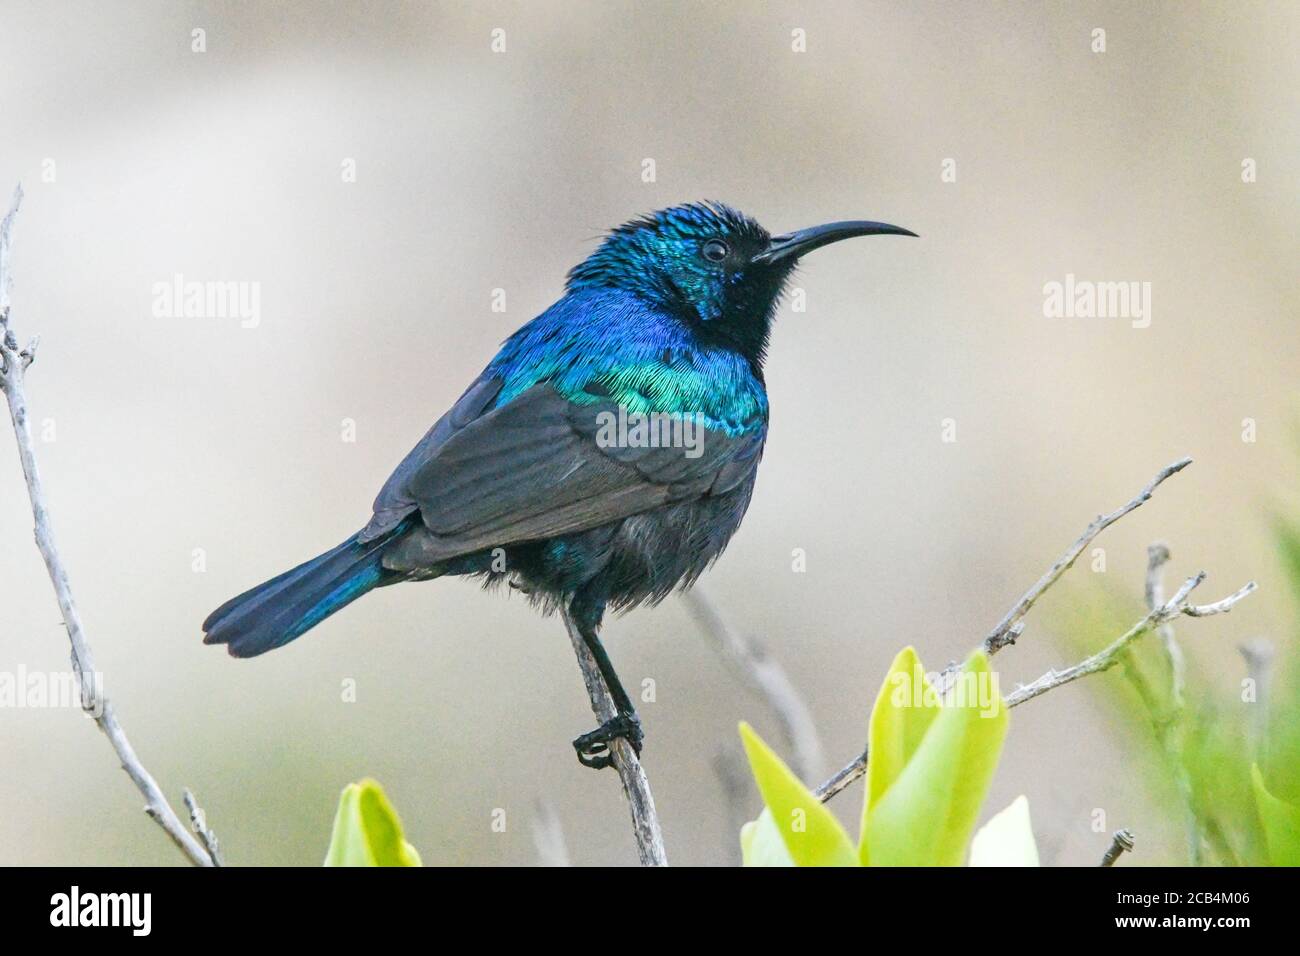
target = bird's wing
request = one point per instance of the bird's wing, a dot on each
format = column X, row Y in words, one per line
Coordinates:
column 393, row 503
column 542, row 466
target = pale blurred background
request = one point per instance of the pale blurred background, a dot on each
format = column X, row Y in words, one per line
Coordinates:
column 478, row 170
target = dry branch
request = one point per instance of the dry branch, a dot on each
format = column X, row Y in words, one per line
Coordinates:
column 1112, row 654
column 14, row 363
column 641, row 803
column 1001, row 635
column 1168, row 717
column 1011, row 625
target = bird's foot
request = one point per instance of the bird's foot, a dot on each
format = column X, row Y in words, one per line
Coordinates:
column 594, row 748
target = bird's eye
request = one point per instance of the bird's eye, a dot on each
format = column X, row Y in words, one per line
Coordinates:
column 715, row 250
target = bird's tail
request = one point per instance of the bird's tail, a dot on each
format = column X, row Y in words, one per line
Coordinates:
column 275, row 612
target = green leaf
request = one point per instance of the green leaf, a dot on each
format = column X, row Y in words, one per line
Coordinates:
column 1281, row 823
column 926, row 815
column 761, row 843
column 1007, row 839
column 810, row 832
column 904, row 710
column 367, row 831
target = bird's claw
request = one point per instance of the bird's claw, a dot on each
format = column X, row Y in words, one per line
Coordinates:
column 594, row 748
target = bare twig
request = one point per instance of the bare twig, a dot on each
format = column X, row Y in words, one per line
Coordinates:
column 6, row 250
column 1121, row 843
column 765, row 675
column 998, row 637
column 1168, row 720
column 1157, row 557
column 1101, row 661
column 843, row 777
column 548, row 836
column 1111, row 655
column 641, row 803
column 14, row 363
column 199, row 824
column 1011, row 626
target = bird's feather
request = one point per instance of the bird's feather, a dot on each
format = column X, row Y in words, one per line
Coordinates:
column 536, row 468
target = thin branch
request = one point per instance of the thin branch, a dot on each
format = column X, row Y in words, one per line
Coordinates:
column 843, row 777
column 1101, row 661
column 1218, row 607
column 13, row 366
column 1001, row 635
column 1169, row 722
column 1121, row 843
column 764, row 675
column 1110, row 656
column 641, row 803
column 1011, row 626
column 6, row 250
column 199, row 824
column 1157, row 557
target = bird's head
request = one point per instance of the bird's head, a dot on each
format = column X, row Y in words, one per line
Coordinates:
column 712, row 267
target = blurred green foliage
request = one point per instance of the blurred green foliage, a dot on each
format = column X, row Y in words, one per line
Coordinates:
column 1225, row 757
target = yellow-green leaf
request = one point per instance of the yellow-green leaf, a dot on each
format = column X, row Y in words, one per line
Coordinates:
column 1281, row 822
column 761, row 843
column 904, row 709
column 367, row 831
column 810, row 832
column 926, row 815
column 1007, row 839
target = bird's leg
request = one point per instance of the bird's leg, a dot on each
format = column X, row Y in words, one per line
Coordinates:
column 593, row 748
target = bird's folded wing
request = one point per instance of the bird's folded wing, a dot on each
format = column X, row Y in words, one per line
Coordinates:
column 542, row 466
column 392, row 504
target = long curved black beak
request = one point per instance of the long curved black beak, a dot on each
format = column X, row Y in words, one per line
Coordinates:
column 792, row 245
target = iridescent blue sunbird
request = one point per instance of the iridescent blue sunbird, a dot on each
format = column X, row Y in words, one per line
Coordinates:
column 604, row 457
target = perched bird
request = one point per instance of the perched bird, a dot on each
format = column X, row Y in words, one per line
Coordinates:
column 552, row 469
